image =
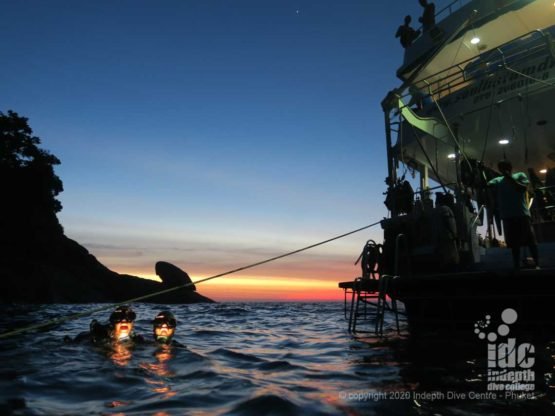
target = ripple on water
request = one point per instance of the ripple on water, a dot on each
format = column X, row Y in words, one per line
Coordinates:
column 226, row 310
column 241, row 359
column 279, row 366
column 211, row 333
column 267, row 404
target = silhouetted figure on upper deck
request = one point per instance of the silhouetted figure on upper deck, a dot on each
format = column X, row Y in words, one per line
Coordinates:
column 407, row 34
column 428, row 18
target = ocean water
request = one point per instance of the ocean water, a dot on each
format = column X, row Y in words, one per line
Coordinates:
column 249, row 359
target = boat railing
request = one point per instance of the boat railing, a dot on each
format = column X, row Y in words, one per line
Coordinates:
column 466, row 73
column 448, row 10
column 451, row 8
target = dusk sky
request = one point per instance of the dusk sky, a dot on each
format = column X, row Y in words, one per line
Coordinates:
column 212, row 134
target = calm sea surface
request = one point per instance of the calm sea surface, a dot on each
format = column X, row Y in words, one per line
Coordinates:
column 248, row 359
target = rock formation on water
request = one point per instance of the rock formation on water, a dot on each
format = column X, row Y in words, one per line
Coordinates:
column 38, row 263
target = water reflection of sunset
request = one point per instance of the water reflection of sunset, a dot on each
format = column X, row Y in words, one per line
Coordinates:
column 120, row 354
column 160, row 387
column 160, row 367
column 159, row 370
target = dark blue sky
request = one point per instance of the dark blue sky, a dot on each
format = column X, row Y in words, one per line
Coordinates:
column 209, row 133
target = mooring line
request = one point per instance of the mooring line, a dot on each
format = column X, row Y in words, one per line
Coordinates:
column 58, row 321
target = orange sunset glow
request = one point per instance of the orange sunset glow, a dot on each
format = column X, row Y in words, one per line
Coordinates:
column 311, row 276
column 237, row 287
column 241, row 288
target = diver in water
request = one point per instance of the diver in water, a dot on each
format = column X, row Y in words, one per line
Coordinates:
column 118, row 329
column 163, row 329
column 121, row 325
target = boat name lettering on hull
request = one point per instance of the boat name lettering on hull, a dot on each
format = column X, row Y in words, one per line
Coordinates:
column 502, row 83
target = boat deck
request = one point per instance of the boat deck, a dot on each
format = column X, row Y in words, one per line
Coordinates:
column 497, row 258
column 460, row 298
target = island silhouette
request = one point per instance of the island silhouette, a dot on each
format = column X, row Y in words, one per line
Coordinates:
column 38, row 262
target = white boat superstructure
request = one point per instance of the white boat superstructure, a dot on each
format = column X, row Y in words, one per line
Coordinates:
column 463, row 103
column 476, row 87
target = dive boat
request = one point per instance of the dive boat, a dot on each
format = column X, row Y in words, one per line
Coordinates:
column 476, row 87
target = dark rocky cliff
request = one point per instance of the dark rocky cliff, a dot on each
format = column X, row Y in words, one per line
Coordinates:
column 38, row 263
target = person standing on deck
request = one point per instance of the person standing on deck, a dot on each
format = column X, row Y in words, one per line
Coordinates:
column 511, row 198
column 428, row 18
column 407, row 34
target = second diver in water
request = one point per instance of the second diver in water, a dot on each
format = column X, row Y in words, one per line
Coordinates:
column 163, row 328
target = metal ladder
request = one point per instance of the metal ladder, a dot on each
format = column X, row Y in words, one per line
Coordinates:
column 367, row 292
column 372, row 293
column 384, row 289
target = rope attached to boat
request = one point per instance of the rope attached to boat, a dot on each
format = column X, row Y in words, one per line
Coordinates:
column 57, row 321
column 541, row 81
column 459, row 148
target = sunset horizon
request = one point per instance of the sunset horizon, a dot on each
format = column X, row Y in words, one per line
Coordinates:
column 250, row 288
column 213, row 146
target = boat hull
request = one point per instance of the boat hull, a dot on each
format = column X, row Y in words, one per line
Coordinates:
column 455, row 302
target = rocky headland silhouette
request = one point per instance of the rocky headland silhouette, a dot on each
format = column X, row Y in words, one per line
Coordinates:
column 38, row 262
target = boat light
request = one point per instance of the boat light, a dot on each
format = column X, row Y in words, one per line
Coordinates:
column 451, row 156
column 475, row 40
column 543, row 171
column 504, row 141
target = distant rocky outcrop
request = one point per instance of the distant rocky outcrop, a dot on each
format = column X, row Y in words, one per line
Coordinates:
column 173, row 276
column 38, row 263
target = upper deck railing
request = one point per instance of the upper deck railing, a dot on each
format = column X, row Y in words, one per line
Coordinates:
column 514, row 53
column 449, row 10
column 452, row 7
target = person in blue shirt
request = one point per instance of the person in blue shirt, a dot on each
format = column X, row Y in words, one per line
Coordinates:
column 511, row 199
